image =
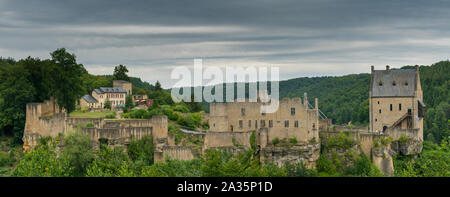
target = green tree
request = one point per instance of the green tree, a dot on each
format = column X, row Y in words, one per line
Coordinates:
column 107, row 104
column 141, row 149
column 120, row 73
column 67, row 79
column 43, row 162
column 158, row 86
column 15, row 92
column 128, row 103
column 78, row 149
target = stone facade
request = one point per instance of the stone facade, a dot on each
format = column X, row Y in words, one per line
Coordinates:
column 231, row 125
column 292, row 119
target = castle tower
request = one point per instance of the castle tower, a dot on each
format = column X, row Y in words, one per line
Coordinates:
column 124, row 85
column 396, row 103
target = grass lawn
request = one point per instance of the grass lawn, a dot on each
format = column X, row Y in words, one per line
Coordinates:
column 79, row 114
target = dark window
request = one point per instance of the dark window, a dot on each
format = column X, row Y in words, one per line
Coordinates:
column 243, row 111
column 393, row 83
column 241, row 124
column 380, row 83
column 292, row 111
column 379, row 111
column 296, row 124
column 270, row 123
column 391, row 107
column 263, row 113
column 256, row 124
column 286, row 123
column 249, row 123
column 399, row 107
column 263, row 123
column 376, row 119
column 378, row 102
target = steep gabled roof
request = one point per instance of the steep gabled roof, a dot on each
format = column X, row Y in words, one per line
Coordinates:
column 394, row 83
column 88, row 98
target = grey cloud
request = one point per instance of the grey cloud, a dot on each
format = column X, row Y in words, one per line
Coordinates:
column 306, row 38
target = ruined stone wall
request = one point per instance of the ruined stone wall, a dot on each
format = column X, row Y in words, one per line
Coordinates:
column 302, row 124
column 45, row 119
column 225, row 139
column 178, row 153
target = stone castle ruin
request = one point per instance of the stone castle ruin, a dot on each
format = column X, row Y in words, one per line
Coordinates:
column 295, row 125
column 291, row 134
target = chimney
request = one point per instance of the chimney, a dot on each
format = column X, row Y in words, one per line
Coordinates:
column 387, row 68
column 372, row 68
column 305, row 100
column 316, row 103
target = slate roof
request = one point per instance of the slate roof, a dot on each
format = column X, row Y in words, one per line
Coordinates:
column 394, row 83
column 112, row 89
column 88, row 98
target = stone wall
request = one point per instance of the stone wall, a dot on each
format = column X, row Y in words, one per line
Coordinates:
column 45, row 119
column 179, row 153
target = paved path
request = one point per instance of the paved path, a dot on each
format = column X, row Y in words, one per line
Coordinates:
column 190, row 131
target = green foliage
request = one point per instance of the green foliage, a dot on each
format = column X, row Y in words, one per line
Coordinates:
column 363, row 167
column 299, row 170
column 109, row 162
column 107, row 104
column 110, row 116
column 67, row 73
column 128, row 103
column 342, row 140
column 403, row 138
column 120, row 73
column 141, row 149
column 4, row 158
column 275, row 141
column 43, row 162
column 15, row 91
column 253, row 140
column 78, row 151
column 434, row 161
column 89, row 124
column 191, row 121
column 293, row 140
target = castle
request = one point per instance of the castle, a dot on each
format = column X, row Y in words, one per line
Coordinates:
column 291, row 134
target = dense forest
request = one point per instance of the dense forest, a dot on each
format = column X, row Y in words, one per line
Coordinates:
column 341, row 98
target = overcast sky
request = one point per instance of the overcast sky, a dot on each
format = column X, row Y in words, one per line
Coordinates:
column 303, row 38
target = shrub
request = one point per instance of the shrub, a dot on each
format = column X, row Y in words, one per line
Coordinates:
column 110, row 116
column 275, row 141
column 89, row 124
column 181, row 108
column 43, row 161
column 78, row 150
column 293, row 140
column 403, row 138
column 4, row 158
column 298, row 170
column 141, row 149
